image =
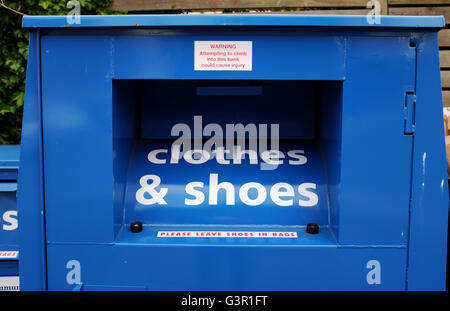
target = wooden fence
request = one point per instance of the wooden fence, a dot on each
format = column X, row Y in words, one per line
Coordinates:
column 352, row 7
column 277, row 6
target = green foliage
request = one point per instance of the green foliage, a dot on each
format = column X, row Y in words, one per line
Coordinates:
column 14, row 52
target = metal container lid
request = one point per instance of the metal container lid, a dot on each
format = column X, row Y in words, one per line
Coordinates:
column 169, row 20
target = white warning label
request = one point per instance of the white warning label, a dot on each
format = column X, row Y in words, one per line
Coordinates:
column 9, row 254
column 223, row 55
column 226, row 234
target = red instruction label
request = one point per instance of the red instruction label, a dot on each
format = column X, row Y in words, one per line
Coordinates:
column 223, row 55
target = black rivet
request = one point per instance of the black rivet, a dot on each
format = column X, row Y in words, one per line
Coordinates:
column 136, row 227
column 312, row 228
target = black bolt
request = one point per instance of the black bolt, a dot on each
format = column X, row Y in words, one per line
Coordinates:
column 312, row 228
column 136, row 227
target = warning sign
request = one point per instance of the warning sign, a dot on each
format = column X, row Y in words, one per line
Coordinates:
column 226, row 234
column 223, row 55
column 9, row 254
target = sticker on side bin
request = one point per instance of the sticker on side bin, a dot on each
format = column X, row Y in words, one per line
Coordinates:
column 226, row 234
column 9, row 254
column 223, row 55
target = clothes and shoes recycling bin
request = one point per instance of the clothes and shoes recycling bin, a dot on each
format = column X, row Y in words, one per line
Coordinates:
column 136, row 171
column 9, row 233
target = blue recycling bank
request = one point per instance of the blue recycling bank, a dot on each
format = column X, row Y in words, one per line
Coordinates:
column 233, row 152
column 9, row 227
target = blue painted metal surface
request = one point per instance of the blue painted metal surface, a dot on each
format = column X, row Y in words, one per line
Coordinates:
column 9, row 162
column 429, row 194
column 158, row 95
column 228, row 211
column 9, row 233
column 338, row 92
column 32, row 266
column 234, row 20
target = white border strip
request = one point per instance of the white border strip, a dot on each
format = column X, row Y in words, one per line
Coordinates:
column 227, row 234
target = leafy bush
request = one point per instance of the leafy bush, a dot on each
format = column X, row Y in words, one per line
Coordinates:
column 14, row 52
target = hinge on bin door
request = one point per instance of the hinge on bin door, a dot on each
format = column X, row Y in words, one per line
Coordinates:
column 410, row 113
